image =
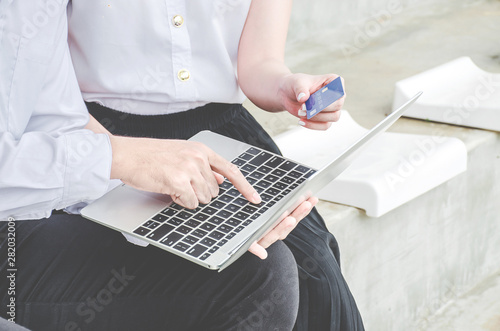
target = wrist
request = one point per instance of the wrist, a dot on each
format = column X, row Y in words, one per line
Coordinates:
column 117, row 157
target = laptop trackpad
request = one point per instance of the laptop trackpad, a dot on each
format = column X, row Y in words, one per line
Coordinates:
column 126, row 208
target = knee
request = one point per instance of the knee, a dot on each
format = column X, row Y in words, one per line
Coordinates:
column 274, row 303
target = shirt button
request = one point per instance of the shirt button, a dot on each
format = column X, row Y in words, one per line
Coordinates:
column 177, row 20
column 183, row 75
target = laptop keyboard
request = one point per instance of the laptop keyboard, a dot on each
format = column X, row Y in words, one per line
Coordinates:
column 202, row 231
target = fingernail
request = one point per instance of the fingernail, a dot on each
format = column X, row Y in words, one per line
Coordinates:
column 302, row 123
column 302, row 112
column 256, row 198
column 300, row 96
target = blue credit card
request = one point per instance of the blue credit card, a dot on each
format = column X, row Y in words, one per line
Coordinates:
column 324, row 97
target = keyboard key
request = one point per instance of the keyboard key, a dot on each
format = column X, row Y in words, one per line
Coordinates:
column 224, row 214
column 196, row 250
column 259, row 189
column 241, row 216
column 257, row 175
column 273, row 191
column 238, row 229
column 184, row 215
column 175, row 221
column 260, row 158
column 181, row 247
column 264, row 169
column 271, row 203
column 247, row 222
column 249, row 209
column 184, row 229
column 171, row 238
column 226, row 185
column 232, row 207
column 263, row 184
column 199, row 233
column 240, row 202
column 271, row 178
column 251, row 180
column 287, row 180
column 160, row 218
column 278, row 172
column 279, row 197
column 248, row 167
column 142, row 231
column 226, row 198
column 160, row 232
column 233, row 221
column 222, row 242
column 309, row 173
column 225, row 228
column 217, row 204
column 204, row 256
column 201, row 217
column 293, row 186
column 231, row 235
column 216, row 220
column 287, row 165
column 208, row 242
column 275, row 161
column 153, row 225
column 266, row 197
column 207, row 226
column 294, row 174
column 254, row 216
column 280, row 186
column 259, row 205
column 246, row 157
column 213, row 249
column 190, row 240
column 193, row 211
column 301, row 180
column 176, row 206
column 245, row 173
column 302, row 169
column 253, row 151
column 192, row 223
column 238, row 162
column 216, row 235
column 209, row 210
column 169, row 212
column 233, row 192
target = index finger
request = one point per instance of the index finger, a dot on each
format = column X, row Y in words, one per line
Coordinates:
column 234, row 175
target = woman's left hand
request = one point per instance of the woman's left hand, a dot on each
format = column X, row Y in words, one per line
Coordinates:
column 282, row 230
column 295, row 89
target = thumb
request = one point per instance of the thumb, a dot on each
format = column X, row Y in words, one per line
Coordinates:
column 302, row 94
column 301, row 89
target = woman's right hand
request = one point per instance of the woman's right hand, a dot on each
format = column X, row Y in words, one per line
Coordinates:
column 189, row 172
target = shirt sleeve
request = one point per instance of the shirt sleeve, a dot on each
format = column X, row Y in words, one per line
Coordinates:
column 48, row 160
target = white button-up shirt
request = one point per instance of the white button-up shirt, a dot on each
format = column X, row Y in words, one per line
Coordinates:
column 157, row 57
column 143, row 57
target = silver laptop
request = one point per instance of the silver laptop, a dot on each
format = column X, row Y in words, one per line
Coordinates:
column 216, row 234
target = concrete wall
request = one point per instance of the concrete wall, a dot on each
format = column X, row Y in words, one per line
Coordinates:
column 310, row 17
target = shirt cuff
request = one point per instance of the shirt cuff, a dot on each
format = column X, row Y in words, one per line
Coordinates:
column 88, row 167
column 135, row 240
